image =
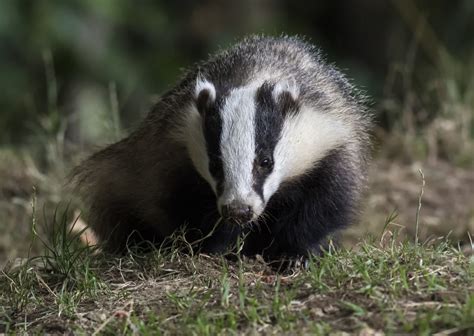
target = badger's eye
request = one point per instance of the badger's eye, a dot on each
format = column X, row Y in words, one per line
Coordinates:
column 265, row 163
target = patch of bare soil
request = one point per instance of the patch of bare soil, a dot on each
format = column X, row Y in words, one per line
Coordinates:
column 447, row 203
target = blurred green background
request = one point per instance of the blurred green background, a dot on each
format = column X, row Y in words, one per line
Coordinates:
column 64, row 65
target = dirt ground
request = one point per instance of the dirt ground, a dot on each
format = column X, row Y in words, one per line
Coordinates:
column 447, row 203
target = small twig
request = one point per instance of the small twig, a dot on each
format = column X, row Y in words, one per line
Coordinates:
column 45, row 285
column 428, row 304
column 419, row 205
column 417, row 276
column 453, row 331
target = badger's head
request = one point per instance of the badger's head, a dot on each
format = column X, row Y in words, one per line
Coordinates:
column 247, row 141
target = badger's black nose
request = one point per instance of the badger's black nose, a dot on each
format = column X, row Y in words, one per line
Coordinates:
column 238, row 212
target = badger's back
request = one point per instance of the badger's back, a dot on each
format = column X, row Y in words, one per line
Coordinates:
column 146, row 186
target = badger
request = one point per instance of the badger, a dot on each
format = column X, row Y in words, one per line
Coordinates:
column 265, row 144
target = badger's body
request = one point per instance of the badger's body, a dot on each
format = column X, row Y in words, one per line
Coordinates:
column 266, row 135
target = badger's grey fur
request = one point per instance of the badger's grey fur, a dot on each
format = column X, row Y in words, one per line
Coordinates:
column 265, row 133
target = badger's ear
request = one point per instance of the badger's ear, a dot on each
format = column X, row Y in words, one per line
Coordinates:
column 286, row 94
column 204, row 94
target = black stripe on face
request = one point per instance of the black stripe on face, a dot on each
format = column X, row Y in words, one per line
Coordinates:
column 212, row 128
column 269, row 118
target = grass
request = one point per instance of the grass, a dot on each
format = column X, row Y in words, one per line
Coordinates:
column 381, row 285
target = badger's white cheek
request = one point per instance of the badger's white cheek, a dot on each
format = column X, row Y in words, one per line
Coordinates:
column 272, row 183
column 201, row 165
column 195, row 143
column 258, row 209
column 257, row 205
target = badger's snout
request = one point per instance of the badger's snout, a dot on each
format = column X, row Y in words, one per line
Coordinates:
column 238, row 212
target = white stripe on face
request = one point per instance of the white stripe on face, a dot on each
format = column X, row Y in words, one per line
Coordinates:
column 306, row 138
column 238, row 149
